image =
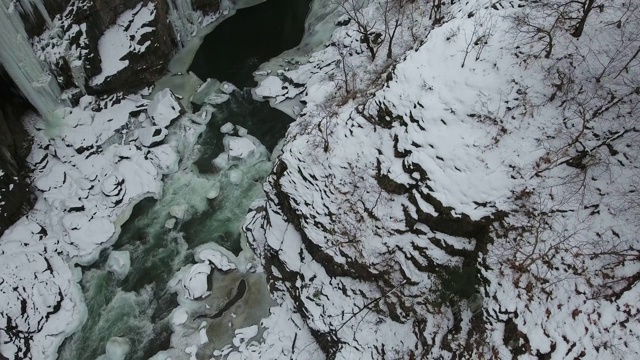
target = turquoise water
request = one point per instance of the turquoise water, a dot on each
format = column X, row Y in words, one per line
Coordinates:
column 138, row 307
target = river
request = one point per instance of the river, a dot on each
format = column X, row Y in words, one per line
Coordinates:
column 141, row 306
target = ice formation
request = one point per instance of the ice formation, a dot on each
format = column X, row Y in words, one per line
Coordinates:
column 117, row 349
column 185, row 20
column 119, row 263
column 21, row 63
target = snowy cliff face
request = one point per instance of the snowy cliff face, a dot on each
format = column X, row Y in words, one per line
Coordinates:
column 425, row 216
column 76, row 44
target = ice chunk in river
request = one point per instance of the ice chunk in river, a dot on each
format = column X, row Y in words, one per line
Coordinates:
column 119, row 263
column 117, row 349
column 179, row 211
column 214, row 191
column 235, row 176
column 226, row 128
column 169, row 224
column 240, row 148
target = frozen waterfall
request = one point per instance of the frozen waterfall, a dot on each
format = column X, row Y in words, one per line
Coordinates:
column 184, row 19
column 19, row 60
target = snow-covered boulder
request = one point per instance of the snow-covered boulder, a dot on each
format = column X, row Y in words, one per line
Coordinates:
column 241, row 131
column 151, row 136
column 164, row 108
column 239, row 147
column 272, row 86
column 245, row 150
column 195, row 282
column 112, row 185
column 216, row 259
column 179, row 316
column 119, row 263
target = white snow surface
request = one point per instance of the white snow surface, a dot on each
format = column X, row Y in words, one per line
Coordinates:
column 429, row 138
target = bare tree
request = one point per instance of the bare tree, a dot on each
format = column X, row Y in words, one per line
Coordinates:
column 355, row 10
column 585, row 9
column 483, row 28
column 394, row 12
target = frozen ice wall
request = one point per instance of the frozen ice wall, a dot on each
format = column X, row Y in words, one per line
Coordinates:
column 19, row 60
column 184, row 19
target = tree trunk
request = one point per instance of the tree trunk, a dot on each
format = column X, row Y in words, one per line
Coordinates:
column 583, row 20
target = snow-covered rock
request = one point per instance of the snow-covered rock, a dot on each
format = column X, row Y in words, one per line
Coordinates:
column 151, row 136
column 272, row 86
column 164, row 108
column 179, row 316
column 239, row 147
column 241, row 131
column 216, row 259
column 195, row 282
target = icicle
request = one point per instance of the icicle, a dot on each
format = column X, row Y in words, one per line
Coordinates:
column 28, row 7
column 186, row 22
column 19, row 60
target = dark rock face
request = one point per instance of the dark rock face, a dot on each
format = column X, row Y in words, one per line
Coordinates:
column 206, row 6
column 15, row 145
column 35, row 23
column 144, row 68
column 97, row 16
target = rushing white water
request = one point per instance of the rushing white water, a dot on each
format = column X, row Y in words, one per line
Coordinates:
column 19, row 60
